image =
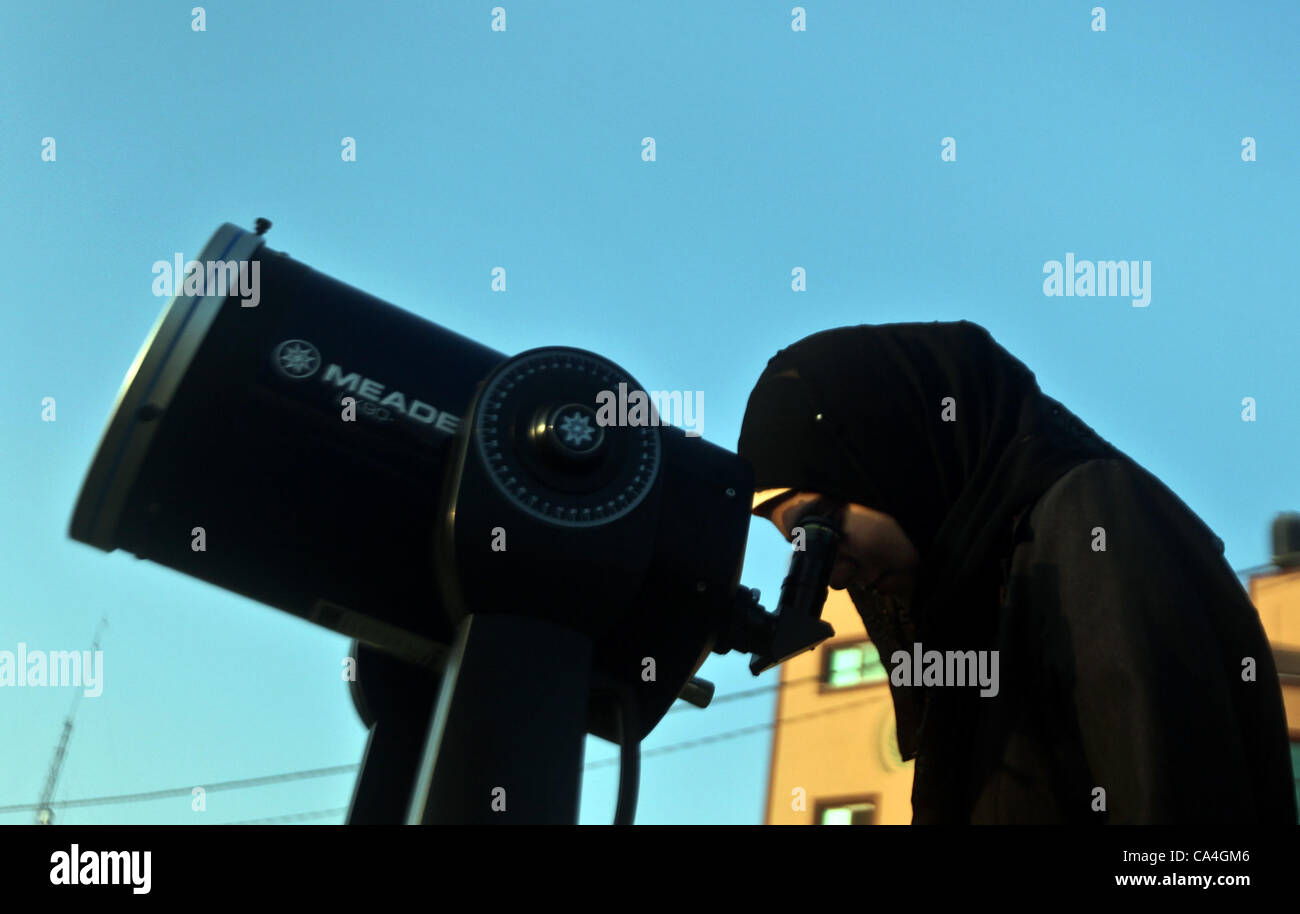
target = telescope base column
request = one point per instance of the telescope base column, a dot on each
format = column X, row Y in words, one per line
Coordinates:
column 506, row 742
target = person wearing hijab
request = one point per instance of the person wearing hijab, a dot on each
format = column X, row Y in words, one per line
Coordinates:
column 1136, row 684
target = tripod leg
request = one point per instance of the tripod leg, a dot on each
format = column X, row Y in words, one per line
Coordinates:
column 396, row 700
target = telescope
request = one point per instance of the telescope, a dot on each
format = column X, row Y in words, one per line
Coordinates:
column 515, row 571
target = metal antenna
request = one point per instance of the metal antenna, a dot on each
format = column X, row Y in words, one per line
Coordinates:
column 44, row 814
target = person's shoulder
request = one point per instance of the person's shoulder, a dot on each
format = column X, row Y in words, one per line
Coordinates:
column 1098, row 478
column 1119, row 492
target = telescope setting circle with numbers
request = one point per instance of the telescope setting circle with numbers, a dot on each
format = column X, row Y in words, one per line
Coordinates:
column 544, row 448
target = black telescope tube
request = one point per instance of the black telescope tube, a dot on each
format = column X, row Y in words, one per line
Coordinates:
column 289, row 446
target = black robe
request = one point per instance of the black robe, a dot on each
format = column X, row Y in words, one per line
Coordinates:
column 1125, row 692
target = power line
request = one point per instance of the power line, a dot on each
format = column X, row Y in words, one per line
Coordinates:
column 294, row 817
column 243, row 783
column 188, row 791
column 661, row 750
column 733, row 734
column 325, row 772
column 748, row 693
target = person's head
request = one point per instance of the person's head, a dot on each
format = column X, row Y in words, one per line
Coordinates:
column 930, row 434
column 874, row 552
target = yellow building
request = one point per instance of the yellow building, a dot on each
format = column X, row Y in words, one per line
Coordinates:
column 835, row 758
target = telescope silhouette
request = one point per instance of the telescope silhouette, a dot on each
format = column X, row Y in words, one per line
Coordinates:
column 515, row 571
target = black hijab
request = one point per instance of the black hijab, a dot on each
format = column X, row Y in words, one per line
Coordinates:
column 858, row 413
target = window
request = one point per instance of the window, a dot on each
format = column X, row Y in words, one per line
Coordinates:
column 853, row 664
column 1295, row 769
column 860, row 812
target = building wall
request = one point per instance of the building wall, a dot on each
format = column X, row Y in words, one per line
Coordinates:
column 847, row 749
column 1277, row 597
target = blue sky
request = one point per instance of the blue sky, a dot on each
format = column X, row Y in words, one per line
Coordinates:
column 775, row 149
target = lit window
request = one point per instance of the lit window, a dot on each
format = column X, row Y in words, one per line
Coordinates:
column 1295, row 770
column 857, row 664
column 849, row 814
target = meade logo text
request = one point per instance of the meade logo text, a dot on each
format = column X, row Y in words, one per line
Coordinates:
column 299, row 360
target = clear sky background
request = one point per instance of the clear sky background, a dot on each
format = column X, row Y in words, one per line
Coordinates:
column 522, row 149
